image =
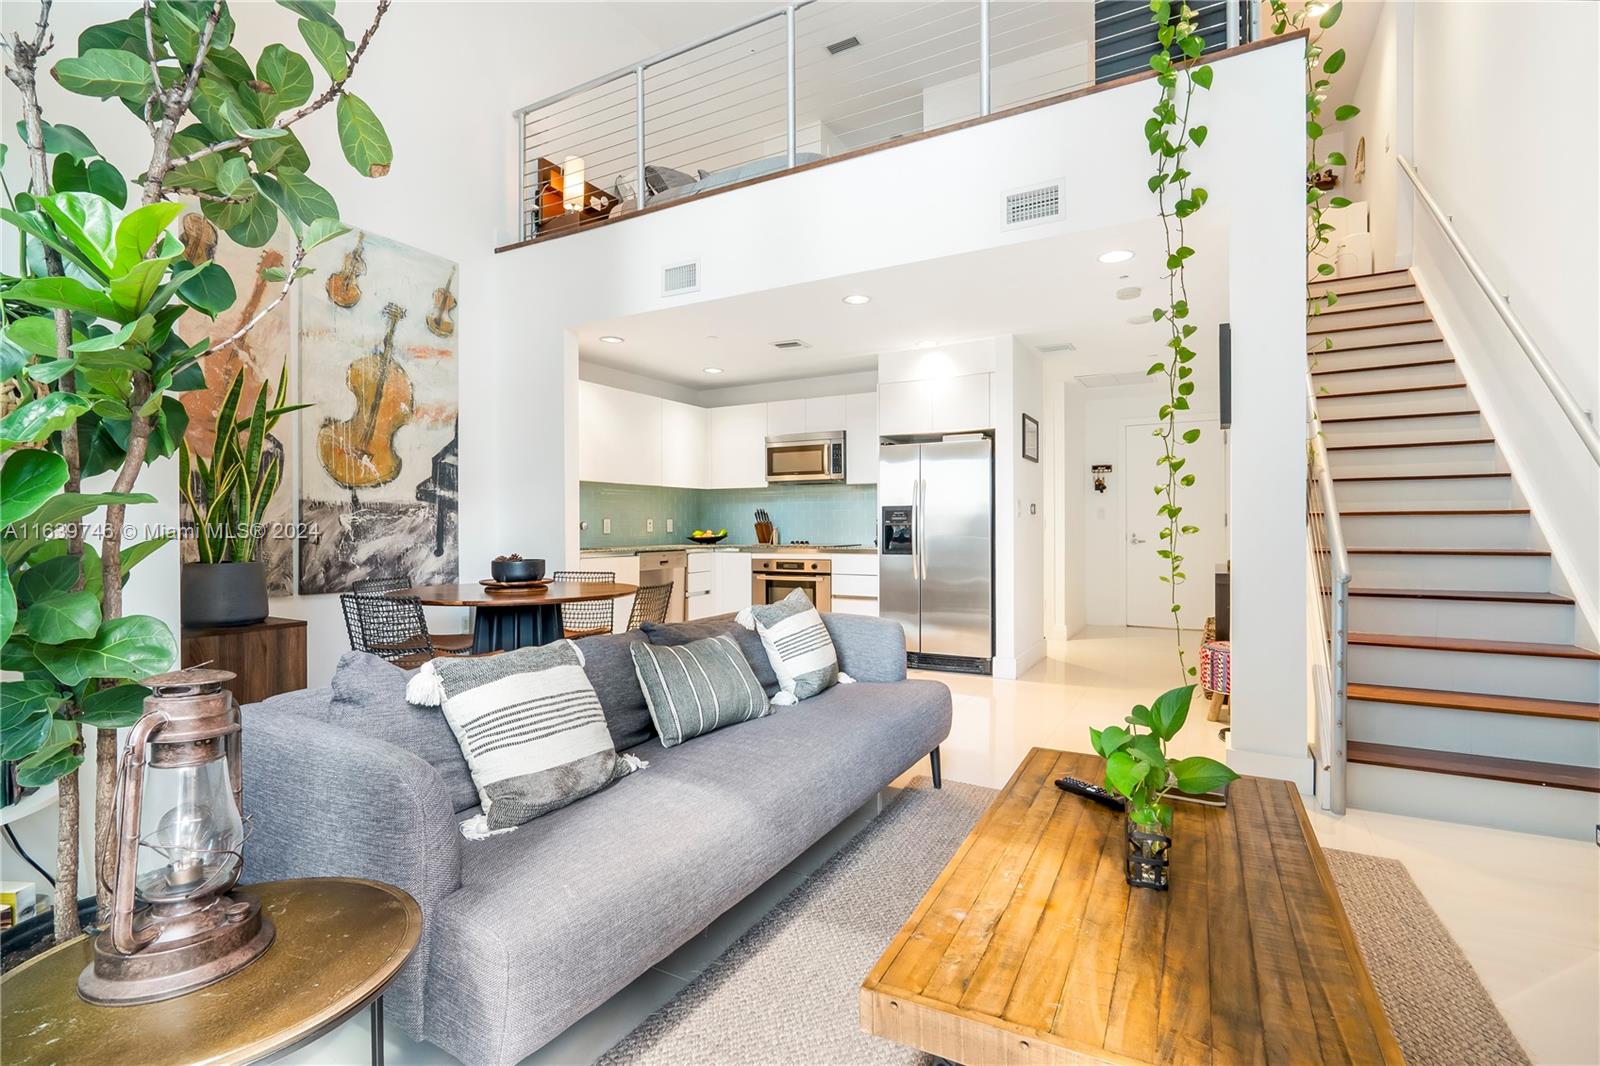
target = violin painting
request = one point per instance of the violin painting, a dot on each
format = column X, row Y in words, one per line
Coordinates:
column 378, row 359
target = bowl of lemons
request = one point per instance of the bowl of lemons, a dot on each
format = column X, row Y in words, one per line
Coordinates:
column 709, row 536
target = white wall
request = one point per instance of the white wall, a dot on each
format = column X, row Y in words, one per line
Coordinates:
column 1066, row 477
column 1382, row 94
column 1018, row 389
column 1504, row 159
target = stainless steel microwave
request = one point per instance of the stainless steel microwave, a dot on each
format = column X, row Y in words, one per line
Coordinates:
column 806, row 457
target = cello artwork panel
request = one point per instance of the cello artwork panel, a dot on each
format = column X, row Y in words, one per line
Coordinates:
column 378, row 451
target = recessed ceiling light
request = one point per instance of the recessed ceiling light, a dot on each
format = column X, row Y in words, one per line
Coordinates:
column 1140, row 320
column 1129, row 292
column 1116, row 255
column 611, row 340
column 857, row 298
column 711, row 370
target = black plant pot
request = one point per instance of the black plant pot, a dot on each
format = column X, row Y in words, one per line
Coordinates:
column 1147, row 857
column 224, row 594
column 34, row 935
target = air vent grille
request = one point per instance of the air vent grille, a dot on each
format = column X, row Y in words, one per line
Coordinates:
column 1033, row 205
column 680, row 278
column 1051, row 349
column 790, row 345
column 843, row 46
column 1107, row 381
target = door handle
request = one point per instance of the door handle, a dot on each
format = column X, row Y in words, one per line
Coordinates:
column 1134, row 538
column 922, row 526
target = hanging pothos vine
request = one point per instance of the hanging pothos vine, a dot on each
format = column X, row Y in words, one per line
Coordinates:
column 1316, row 20
column 1169, row 136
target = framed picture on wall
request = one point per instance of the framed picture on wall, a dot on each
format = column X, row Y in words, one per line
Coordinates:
column 1030, row 438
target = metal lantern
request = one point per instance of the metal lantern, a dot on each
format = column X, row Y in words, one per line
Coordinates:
column 174, row 925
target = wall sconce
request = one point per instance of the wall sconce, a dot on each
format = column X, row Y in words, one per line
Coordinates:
column 1100, row 470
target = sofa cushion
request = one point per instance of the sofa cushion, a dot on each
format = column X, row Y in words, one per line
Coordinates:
column 695, row 688
column 717, row 626
column 369, row 697
column 650, row 862
column 798, row 645
column 609, row 666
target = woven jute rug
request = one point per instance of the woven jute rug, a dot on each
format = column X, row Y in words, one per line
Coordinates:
column 786, row 991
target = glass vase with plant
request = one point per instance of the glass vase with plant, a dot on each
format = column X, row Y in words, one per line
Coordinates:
column 1139, row 770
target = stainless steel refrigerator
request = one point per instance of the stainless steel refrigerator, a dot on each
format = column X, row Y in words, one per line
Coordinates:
column 936, row 549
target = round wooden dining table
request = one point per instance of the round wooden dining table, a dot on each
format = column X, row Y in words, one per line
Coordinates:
column 508, row 618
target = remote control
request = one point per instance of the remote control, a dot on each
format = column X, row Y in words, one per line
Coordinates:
column 1088, row 791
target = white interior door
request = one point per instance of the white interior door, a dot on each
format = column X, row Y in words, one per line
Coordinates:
column 1149, row 599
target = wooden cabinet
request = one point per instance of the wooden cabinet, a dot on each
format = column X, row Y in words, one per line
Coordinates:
column 268, row 657
column 936, row 405
column 685, row 445
column 738, row 446
column 619, row 435
column 861, row 439
column 786, row 416
column 827, row 414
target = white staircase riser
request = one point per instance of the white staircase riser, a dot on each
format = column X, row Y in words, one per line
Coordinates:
column 1499, row 573
column 1498, row 804
column 1439, row 427
column 1383, row 376
column 1333, row 405
column 1536, row 676
column 1358, row 283
column 1540, row 623
column 1505, row 736
column 1348, row 300
column 1365, row 338
column 1429, row 531
column 1413, row 495
column 1445, row 459
column 1342, row 314
column 1405, row 353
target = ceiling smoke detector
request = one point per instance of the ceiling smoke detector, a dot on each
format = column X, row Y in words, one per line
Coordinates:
column 844, row 46
column 790, row 345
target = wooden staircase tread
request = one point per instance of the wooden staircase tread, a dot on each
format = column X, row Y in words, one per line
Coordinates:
column 1489, row 767
column 1337, row 310
column 1370, row 347
column 1475, row 701
column 1474, row 595
column 1443, row 513
column 1409, row 444
column 1393, row 392
column 1394, row 417
column 1474, row 645
column 1372, row 325
column 1421, row 477
column 1502, row 552
column 1383, row 366
column 1358, row 277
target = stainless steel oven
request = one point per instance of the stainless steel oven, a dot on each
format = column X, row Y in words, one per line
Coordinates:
column 774, row 579
column 806, row 457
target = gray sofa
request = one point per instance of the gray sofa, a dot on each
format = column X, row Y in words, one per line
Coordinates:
column 526, row 932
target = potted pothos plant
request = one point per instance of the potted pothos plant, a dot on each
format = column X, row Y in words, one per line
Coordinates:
column 228, row 498
column 1139, row 770
column 91, row 357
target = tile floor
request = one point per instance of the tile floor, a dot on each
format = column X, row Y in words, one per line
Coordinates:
column 1525, row 909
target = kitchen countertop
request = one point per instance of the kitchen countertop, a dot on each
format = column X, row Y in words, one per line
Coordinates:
column 646, row 549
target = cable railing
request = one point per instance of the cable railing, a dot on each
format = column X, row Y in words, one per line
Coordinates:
column 1326, row 539
column 1541, row 364
column 808, row 81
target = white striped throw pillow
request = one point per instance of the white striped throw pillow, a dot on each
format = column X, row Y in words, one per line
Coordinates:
column 694, row 688
column 798, row 646
column 531, row 728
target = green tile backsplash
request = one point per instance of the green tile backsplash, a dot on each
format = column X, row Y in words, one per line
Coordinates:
column 822, row 514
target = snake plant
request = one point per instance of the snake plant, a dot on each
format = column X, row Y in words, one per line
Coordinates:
column 228, row 496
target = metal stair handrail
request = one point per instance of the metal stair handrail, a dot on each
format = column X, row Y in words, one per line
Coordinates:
column 1327, row 538
column 1558, row 389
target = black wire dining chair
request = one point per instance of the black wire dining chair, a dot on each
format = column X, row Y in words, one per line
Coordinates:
column 586, row 618
column 377, row 586
column 650, row 604
column 394, row 628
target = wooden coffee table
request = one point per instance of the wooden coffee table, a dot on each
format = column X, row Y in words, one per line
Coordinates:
column 1031, row 948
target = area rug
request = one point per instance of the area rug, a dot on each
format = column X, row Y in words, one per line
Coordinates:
column 786, row 991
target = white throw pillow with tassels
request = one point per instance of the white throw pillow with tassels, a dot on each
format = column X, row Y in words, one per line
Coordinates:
column 798, row 646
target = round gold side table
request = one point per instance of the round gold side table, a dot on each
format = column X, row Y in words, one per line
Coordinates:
column 340, row 942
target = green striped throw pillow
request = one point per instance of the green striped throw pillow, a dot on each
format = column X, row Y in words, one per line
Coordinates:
column 697, row 687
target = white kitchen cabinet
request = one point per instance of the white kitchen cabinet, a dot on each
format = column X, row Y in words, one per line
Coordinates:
column 786, row 416
column 685, row 438
column 827, row 414
column 936, row 405
column 619, row 435
column 738, row 446
column 861, row 439
column 855, row 583
column 730, row 581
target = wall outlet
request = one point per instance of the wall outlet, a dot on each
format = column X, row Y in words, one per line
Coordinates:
column 669, row 525
column 649, row 525
column 605, row 525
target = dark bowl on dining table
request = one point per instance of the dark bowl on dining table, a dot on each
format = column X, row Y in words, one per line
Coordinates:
column 517, row 569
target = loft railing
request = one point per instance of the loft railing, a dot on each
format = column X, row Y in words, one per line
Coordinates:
column 1326, row 540
column 811, row 80
column 1541, row 364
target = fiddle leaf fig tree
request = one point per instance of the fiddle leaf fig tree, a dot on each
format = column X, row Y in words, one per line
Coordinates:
column 91, row 358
